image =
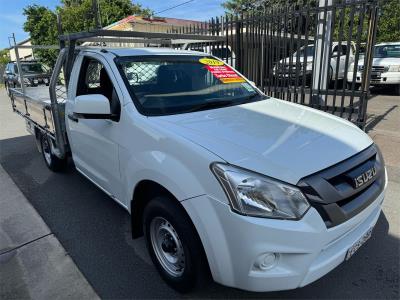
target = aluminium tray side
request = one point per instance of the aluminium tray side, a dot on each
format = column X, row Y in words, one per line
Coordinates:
column 35, row 106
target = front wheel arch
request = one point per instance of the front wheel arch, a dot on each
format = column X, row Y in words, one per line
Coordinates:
column 144, row 191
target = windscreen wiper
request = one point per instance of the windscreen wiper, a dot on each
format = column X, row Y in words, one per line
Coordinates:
column 210, row 105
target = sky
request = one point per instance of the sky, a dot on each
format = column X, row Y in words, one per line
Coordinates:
column 12, row 18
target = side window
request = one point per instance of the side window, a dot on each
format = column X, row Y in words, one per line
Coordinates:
column 94, row 79
column 15, row 71
column 343, row 49
column 142, row 73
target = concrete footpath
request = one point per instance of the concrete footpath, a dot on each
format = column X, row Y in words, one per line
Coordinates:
column 33, row 264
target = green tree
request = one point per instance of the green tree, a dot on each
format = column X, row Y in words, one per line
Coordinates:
column 239, row 6
column 4, row 57
column 389, row 22
column 388, row 29
column 41, row 23
column 76, row 15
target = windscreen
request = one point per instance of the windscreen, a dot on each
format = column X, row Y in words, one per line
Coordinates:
column 32, row 68
column 181, row 84
column 387, row 51
column 309, row 51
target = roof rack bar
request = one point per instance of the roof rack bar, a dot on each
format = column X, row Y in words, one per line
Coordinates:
column 37, row 47
column 125, row 40
column 135, row 34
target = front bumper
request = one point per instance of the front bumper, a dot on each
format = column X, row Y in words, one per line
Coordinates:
column 386, row 78
column 306, row 249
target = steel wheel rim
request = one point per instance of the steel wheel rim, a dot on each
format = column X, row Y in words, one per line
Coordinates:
column 167, row 246
column 47, row 151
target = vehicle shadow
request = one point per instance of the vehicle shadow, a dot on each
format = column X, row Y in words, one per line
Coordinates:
column 383, row 90
column 95, row 231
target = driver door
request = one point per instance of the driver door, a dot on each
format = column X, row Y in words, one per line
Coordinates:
column 93, row 141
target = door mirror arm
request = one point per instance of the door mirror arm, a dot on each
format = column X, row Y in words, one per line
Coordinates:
column 112, row 117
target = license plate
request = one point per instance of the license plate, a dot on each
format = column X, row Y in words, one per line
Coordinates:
column 353, row 249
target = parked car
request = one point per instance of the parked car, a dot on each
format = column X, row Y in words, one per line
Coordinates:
column 261, row 193
column 290, row 68
column 385, row 67
column 216, row 49
column 33, row 74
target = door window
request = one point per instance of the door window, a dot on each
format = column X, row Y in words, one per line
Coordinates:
column 343, row 50
column 94, row 79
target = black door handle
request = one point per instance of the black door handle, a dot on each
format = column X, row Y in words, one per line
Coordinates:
column 73, row 118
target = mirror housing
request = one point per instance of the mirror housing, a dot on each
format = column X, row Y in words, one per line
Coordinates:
column 94, row 106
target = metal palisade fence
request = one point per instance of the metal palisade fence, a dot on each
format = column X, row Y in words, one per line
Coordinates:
column 318, row 53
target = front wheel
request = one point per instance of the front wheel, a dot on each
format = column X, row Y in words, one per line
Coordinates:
column 53, row 162
column 174, row 245
column 397, row 90
column 350, row 86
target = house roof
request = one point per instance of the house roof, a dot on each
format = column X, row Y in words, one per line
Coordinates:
column 152, row 20
column 21, row 43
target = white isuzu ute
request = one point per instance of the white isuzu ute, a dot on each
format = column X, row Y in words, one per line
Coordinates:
column 220, row 179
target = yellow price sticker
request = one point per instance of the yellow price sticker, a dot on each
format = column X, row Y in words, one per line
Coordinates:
column 211, row 62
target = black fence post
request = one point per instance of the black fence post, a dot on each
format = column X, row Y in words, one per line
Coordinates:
column 238, row 44
column 366, row 75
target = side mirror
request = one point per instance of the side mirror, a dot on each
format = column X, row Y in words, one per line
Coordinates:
column 95, row 106
column 8, row 72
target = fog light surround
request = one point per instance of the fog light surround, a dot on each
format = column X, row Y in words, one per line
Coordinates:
column 266, row 261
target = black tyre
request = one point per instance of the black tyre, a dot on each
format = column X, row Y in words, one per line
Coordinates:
column 397, row 90
column 350, row 85
column 331, row 82
column 7, row 88
column 53, row 162
column 174, row 245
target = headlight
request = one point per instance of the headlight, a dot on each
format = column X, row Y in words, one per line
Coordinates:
column 256, row 195
column 309, row 66
column 26, row 81
column 394, row 68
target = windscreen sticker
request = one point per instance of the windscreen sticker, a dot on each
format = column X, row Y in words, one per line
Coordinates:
column 225, row 74
column 211, row 62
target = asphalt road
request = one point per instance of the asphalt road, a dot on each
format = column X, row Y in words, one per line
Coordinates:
column 95, row 232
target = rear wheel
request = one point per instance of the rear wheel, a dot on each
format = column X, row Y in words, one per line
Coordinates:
column 174, row 245
column 53, row 162
column 7, row 88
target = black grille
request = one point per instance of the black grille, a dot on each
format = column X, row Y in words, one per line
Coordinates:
column 378, row 69
column 333, row 192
